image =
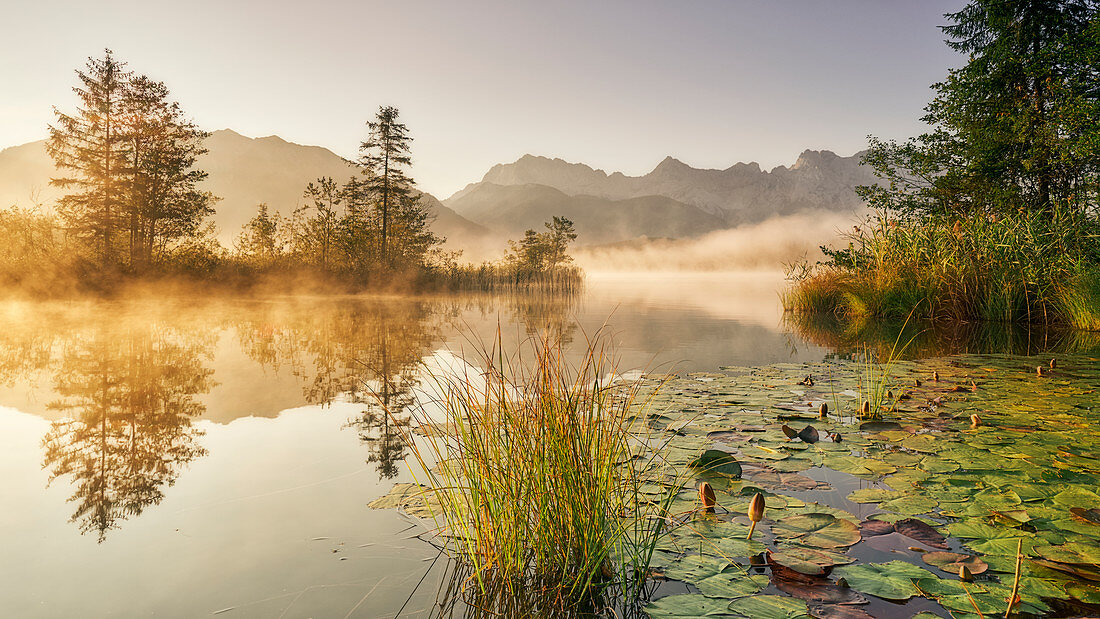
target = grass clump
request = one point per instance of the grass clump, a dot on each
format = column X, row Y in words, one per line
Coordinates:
column 1024, row 267
column 534, row 470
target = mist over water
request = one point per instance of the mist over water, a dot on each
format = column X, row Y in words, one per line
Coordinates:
column 766, row 246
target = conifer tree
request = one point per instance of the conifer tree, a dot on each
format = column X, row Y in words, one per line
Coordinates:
column 91, row 146
column 384, row 156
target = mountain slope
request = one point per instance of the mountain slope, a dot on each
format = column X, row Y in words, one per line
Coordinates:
column 511, row 209
column 244, row 172
column 740, row 194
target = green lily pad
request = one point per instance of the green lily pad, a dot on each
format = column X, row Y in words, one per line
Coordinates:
column 718, row 462
column 889, row 581
column 1071, row 553
column 817, row 530
column 768, row 607
column 686, row 605
column 731, row 585
column 809, row 561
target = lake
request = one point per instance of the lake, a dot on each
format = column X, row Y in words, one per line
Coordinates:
column 186, row 457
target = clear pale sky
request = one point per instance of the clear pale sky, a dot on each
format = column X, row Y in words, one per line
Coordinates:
column 614, row 84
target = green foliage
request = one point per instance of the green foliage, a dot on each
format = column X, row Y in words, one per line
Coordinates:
column 544, row 251
column 130, row 155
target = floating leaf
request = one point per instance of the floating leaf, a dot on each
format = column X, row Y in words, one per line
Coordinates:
column 731, row 585
column 952, row 561
column 768, row 607
column 817, row 530
column 809, row 434
column 809, row 561
column 686, row 605
column 1071, row 553
column 920, row 531
column 890, row 581
column 717, row 462
column 872, row 528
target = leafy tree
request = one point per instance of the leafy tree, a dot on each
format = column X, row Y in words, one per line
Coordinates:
column 91, row 144
column 261, row 241
column 318, row 232
column 383, row 156
column 544, row 251
column 164, row 201
column 1016, row 126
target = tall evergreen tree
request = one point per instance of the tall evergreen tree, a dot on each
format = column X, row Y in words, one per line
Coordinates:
column 384, row 157
column 92, row 146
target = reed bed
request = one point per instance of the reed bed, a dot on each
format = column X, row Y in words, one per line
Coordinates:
column 536, row 472
column 1025, row 267
column 506, row 277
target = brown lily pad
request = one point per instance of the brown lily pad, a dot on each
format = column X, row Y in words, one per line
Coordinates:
column 809, row 561
column 821, row 591
column 1091, row 516
column 831, row 611
column 952, row 561
column 809, row 434
column 872, row 528
column 921, row 531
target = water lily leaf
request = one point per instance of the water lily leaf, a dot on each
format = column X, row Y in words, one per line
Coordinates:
column 1090, row 516
column 809, row 434
column 1078, row 497
column 920, row 531
column 764, row 453
column 834, row 611
column 413, row 499
column 890, row 581
column 910, row 505
column 1086, row 593
column 686, row 605
column 1083, row 554
column 818, row 530
column 788, row 481
column 952, row 561
column 872, row 528
column 717, row 462
column 768, row 607
column 809, row 561
column 694, row 568
column 731, row 585
column 873, row 495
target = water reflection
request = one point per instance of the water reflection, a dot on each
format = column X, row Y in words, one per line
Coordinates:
column 129, row 400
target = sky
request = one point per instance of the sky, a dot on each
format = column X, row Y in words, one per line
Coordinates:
column 618, row 85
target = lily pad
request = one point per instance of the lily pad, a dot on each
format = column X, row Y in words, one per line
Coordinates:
column 952, row 561
column 731, row 585
column 717, row 462
column 889, row 581
column 920, row 531
column 809, row 561
column 818, row 530
column 686, row 605
column 768, row 607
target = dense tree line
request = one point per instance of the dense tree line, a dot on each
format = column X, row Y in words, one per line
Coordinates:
column 133, row 206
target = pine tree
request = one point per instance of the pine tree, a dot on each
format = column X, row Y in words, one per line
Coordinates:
column 92, row 145
column 384, row 155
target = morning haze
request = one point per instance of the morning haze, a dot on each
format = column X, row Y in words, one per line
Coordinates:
column 614, row 309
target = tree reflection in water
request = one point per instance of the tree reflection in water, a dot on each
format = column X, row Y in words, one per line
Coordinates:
column 130, row 378
column 129, row 400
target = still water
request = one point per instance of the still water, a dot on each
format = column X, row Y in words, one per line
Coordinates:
column 184, row 457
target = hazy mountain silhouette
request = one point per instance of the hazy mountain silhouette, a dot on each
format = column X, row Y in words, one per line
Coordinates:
column 740, row 194
column 243, row 171
column 511, row 209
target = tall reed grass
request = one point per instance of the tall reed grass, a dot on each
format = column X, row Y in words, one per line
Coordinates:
column 534, row 469
column 504, row 276
column 1026, row 266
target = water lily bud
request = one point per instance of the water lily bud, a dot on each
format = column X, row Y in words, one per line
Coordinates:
column 935, row 376
column 916, row 382
column 706, row 497
column 823, row 410
column 975, row 421
column 842, row 583
column 865, row 408
column 756, row 511
column 835, row 437
column 889, row 394
column 1039, row 370
column 965, row 575
column 1053, row 364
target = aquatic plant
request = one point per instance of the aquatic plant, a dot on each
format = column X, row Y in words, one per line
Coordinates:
column 535, row 475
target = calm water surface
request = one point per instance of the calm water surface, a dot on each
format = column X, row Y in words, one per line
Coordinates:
column 187, row 457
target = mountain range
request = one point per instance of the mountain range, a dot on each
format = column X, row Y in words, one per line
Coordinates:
column 674, row 200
